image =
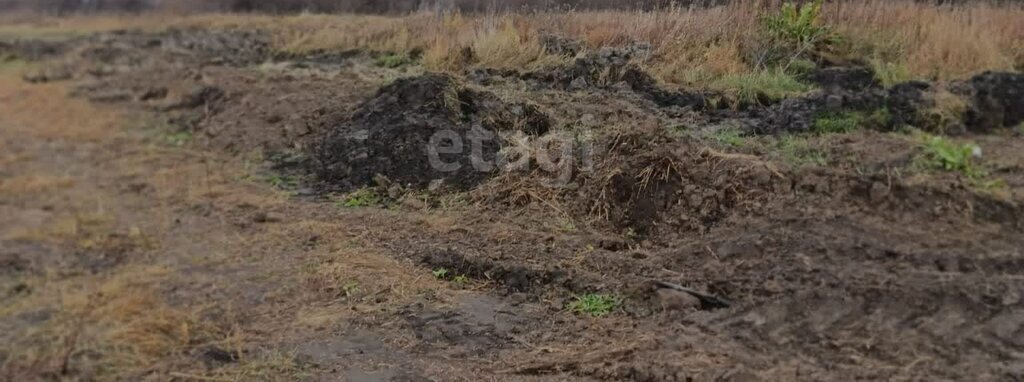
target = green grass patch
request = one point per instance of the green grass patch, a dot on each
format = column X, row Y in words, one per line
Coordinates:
column 461, row 280
column 178, row 138
column 801, row 67
column 281, row 181
column 797, row 151
column 761, row 86
column 836, row 123
column 440, row 273
column 166, row 133
column 848, row 122
column 728, row 137
column 940, row 153
column 393, row 60
column 890, row 73
column 595, row 304
column 363, row 197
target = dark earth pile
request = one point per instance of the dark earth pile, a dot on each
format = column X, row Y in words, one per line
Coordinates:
column 398, row 132
column 987, row 101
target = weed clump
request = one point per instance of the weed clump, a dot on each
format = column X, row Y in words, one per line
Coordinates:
column 394, row 60
column 729, row 137
column 796, row 151
column 363, row 197
column 793, row 33
column 943, row 154
column 848, row 122
column 761, row 87
column 440, row 273
column 594, row 304
column 836, row 123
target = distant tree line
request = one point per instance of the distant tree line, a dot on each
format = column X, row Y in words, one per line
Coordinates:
column 358, row 6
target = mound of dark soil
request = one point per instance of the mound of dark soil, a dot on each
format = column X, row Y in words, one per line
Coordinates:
column 423, row 129
column 609, row 68
column 996, row 100
column 987, row 101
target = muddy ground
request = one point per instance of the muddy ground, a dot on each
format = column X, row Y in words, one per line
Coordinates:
column 283, row 210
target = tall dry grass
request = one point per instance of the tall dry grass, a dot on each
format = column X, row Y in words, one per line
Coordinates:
column 691, row 46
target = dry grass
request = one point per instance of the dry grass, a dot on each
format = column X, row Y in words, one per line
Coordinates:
column 22, row 109
column 933, row 42
column 100, row 326
column 691, row 46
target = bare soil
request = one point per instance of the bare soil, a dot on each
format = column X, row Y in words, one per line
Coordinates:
column 204, row 185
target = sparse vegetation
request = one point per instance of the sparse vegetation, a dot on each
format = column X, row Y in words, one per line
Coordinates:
column 567, row 224
column 889, row 73
column 836, row 123
column 761, row 86
column 440, row 273
column 281, row 181
column 729, row 137
column 364, row 197
column 179, row 138
column 594, row 304
column 797, row 151
column 847, row 122
column 795, row 31
column 394, row 60
column 940, row 153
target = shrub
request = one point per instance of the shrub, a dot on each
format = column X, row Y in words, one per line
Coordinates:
column 792, row 33
column 943, row 154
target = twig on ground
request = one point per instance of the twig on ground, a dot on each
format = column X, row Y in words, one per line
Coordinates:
column 712, row 300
